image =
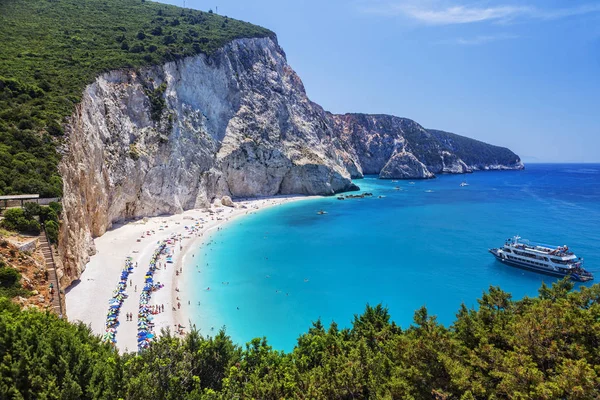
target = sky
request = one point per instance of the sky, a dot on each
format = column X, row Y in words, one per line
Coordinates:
column 524, row 74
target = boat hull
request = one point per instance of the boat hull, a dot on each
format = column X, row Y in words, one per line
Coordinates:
column 534, row 268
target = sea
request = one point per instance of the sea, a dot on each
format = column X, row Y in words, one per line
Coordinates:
column 412, row 244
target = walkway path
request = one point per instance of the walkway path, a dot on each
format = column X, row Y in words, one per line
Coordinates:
column 52, row 274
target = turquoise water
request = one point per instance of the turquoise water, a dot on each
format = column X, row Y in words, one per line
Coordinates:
column 423, row 245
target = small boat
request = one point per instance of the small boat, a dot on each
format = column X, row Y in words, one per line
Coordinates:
column 411, row 183
column 394, row 181
column 429, row 191
column 397, row 188
column 463, row 183
column 321, row 212
column 340, row 197
column 549, row 260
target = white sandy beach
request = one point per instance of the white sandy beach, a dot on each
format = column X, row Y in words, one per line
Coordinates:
column 87, row 300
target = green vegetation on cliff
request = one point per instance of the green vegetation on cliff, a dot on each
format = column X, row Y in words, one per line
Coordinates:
column 475, row 152
column 536, row 348
column 51, row 49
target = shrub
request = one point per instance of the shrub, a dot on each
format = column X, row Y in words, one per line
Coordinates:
column 9, row 277
column 137, row 48
column 12, row 216
column 52, row 231
column 31, row 210
column 55, row 129
column 48, row 214
column 16, row 219
column 156, row 31
column 57, row 207
column 30, row 226
column 169, row 39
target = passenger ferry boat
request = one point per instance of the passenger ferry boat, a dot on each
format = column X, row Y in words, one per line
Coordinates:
column 557, row 261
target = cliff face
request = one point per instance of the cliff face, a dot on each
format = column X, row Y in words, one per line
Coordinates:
column 238, row 123
column 400, row 148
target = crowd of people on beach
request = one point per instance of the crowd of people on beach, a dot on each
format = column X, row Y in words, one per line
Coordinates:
column 145, row 324
column 115, row 303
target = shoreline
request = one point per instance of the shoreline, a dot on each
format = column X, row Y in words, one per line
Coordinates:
column 87, row 300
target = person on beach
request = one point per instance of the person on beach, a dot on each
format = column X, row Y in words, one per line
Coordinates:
column 178, row 305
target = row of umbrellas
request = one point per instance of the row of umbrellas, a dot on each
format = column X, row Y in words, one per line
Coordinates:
column 115, row 303
column 144, row 313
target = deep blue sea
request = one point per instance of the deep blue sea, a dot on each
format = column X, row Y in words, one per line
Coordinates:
column 425, row 244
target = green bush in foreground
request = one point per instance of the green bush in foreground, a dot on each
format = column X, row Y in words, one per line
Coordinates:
column 536, row 348
column 51, row 49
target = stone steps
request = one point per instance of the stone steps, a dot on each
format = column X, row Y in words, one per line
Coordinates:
column 52, row 275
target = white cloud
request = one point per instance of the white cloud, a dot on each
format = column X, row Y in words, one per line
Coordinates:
column 436, row 13
column 478, row 40
column 462, row 14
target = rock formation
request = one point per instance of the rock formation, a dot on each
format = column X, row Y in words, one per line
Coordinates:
column 237, row 123
column 400, row 148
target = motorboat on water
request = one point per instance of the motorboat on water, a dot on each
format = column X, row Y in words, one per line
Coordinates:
column 463, row 183
column 549, row 260
column 321, row 212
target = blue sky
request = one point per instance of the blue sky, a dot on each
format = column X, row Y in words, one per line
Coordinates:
column 517, row 73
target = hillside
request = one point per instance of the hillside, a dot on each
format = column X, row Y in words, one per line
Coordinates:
column 397, row 148
column 51, row 49
column 474, row 152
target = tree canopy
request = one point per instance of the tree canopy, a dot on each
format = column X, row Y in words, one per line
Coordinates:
column 535, row 348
